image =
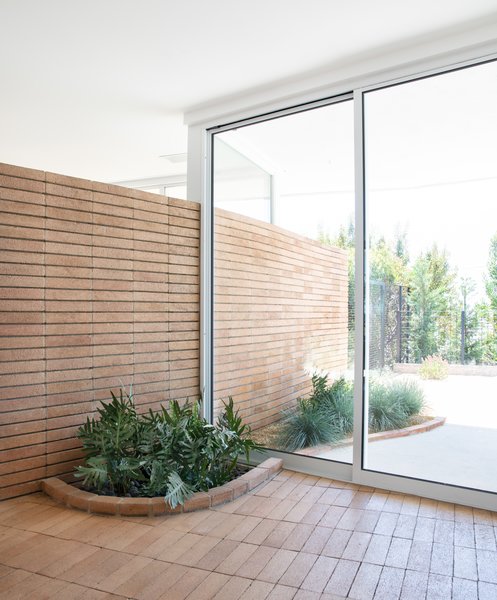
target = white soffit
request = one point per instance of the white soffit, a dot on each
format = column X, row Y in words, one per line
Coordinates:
column 99, row 88
column 373, row 67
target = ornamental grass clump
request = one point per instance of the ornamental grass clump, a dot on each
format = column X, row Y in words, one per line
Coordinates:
column 172, row 452
column 327, row 415
column 306, row 426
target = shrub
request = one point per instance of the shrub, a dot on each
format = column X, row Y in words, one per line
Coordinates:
column 385, row 410
column 392, row 404
column 325, row 417
column 305, row 426
column 337, row 402
column 409, row 395
column 328, row 414
column 434, row 367
column 173, row 452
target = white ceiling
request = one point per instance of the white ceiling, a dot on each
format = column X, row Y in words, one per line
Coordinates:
column 98, row 88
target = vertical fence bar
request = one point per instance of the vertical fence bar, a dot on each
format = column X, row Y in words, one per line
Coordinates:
column 399, row 327
column 463, row 336
column 408, row 322
column 383, row 316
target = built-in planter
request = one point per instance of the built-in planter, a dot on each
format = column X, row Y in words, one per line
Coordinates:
column 141, row 507
column 377, row 437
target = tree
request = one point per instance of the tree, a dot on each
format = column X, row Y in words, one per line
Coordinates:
column 491, row 280
column 487, row 311
column 401, row 247
column 432, row 302
column 385, row 264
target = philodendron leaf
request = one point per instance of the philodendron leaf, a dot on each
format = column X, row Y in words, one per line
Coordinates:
column 95, row 472
column 177, row 490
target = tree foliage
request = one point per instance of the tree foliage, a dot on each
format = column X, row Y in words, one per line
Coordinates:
column 432, row 296
column 435, row 297
column 491, row 279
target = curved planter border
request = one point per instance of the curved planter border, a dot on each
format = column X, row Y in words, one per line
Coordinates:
column 382, row 435
column 142, row 507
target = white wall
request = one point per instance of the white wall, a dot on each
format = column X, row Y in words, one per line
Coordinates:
column 430, row 53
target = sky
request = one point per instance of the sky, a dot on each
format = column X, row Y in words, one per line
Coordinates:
column 430, row 165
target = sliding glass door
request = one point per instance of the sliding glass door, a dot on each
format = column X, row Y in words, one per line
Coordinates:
column 283, row 279
column 431, row 197
column 354, row 282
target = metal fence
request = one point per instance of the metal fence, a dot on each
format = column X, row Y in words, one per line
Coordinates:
column 459, row 336
column 389, row 320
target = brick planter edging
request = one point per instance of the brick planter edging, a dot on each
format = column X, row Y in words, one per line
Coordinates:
column 142, row 507
column 382, row 435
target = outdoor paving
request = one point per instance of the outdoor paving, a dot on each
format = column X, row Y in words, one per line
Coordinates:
column 464, row 456
column 465, row 447
column 296, row 537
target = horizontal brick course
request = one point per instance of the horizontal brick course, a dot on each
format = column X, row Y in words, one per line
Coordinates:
column 85, row 307
column 280, row 310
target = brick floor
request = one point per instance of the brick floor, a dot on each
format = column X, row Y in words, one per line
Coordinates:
column 296, row 537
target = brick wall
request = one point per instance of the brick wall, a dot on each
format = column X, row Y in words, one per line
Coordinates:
column 98, row 286
column 280, row 309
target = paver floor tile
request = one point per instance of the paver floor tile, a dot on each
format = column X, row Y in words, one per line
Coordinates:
column 256, row 562
column 414, row 585
column 217, row 555
column 365, row 582
column 464, row 589
column 139, row 581
column 282, row 592
column 298, row 569
column 237, row 558
column 439, row 587
column 122, row 574
column 296, row 537
column 210, row 587
column 277, row 565
column 320, row 573
column 343, row 575
column 390, row 584
column 258, row 590
column 243, row 529
column 58, row 567
column 233, row 589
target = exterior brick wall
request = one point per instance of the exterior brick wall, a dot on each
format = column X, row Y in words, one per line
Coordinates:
column 280, row 311
column 99, row 286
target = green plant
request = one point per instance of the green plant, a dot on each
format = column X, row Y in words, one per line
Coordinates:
column 305, row 426
column 110, row 443
column 434, row 367
column 173, row 452
column 385, row 410
column 338, row 403
column 392, row 404
column 327, row 415
column 409, row 395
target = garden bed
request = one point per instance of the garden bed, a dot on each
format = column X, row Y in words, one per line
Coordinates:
column 428, row 425
column 74, row 497
column 269, row 435
column 326, row 417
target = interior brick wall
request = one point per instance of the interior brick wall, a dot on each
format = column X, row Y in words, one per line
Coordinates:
column 99, row 286
column 280, row 311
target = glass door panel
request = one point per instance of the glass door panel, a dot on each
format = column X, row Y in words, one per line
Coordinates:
column 283, row 326
column 431, row 278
